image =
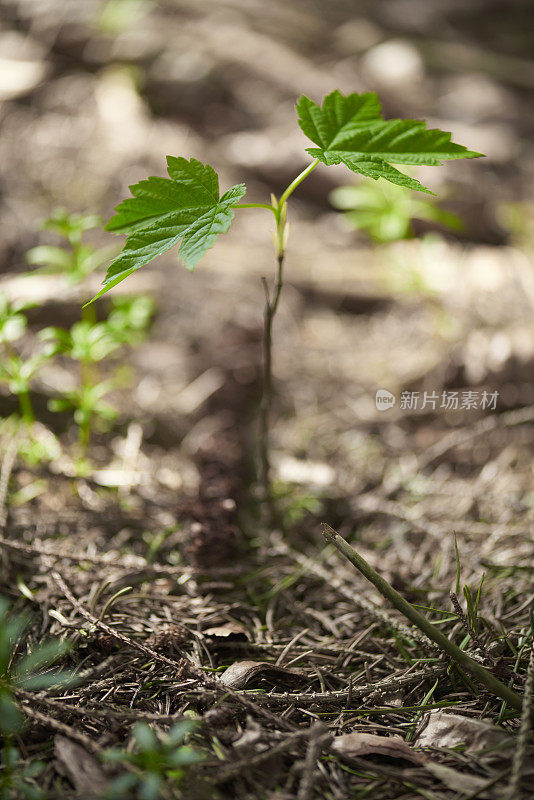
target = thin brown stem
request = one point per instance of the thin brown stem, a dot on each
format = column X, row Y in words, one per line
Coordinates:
column 279, row 209
column 271, row 305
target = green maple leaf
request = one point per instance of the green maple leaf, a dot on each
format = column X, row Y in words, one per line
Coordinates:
column 186, row 208
column 351, row 130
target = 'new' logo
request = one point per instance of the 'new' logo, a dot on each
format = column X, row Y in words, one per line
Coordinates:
column 384, row 400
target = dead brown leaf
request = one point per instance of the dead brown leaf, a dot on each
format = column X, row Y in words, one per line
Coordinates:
column 238, row 675
column 80, row 767
column 230, row 630
column 450, row 730
column 353, row 745
column 460, row 782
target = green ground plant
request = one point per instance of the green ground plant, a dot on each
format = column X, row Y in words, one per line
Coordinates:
column 385, row 211
column 16, row 369
column 187, row 208
column 23, row 671
column 79, row 259
column 88, row 342
column 18, row 777
column 156, row 763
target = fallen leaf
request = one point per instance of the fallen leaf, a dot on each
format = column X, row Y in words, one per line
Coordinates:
column 80, row 767
column 353, row 745
column 230, row 630
column 451, row 730
column 459, row 781
column 238, row 675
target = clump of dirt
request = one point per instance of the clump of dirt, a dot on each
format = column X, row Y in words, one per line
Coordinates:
column 223, row 460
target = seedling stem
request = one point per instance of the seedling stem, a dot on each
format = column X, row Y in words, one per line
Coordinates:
column 26, row 408
column 280, row 237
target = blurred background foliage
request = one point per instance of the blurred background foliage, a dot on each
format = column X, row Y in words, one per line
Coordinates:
column 95, row 94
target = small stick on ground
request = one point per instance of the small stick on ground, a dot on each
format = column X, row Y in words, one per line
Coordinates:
column 129, row 562
column 514, row 787
column 416, row 618
column 98, row 713
column 319, row 738
column 345, row 696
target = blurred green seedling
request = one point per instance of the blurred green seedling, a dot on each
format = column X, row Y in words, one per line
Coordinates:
column 85, row 342
column 75, row 261
column 188, row 210
column 129, row 319
column 18, row 777
column 88, row 407
column 24, row 668
column 71, row 226
column 88, row 344
column 13, row 322
column 17, row 370
column 293, row 504
column 116, row 16
column 157, row 763
column 385, row 211
column 35, row 444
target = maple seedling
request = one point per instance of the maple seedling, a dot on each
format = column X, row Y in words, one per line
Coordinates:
column 78, row 259
column 385, row 211
column 156, row 762
column 24, row 672
column 186, row 209
column 87, row 343
column 17, row 370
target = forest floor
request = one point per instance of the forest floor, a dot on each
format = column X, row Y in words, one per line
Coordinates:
column 158, row 565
